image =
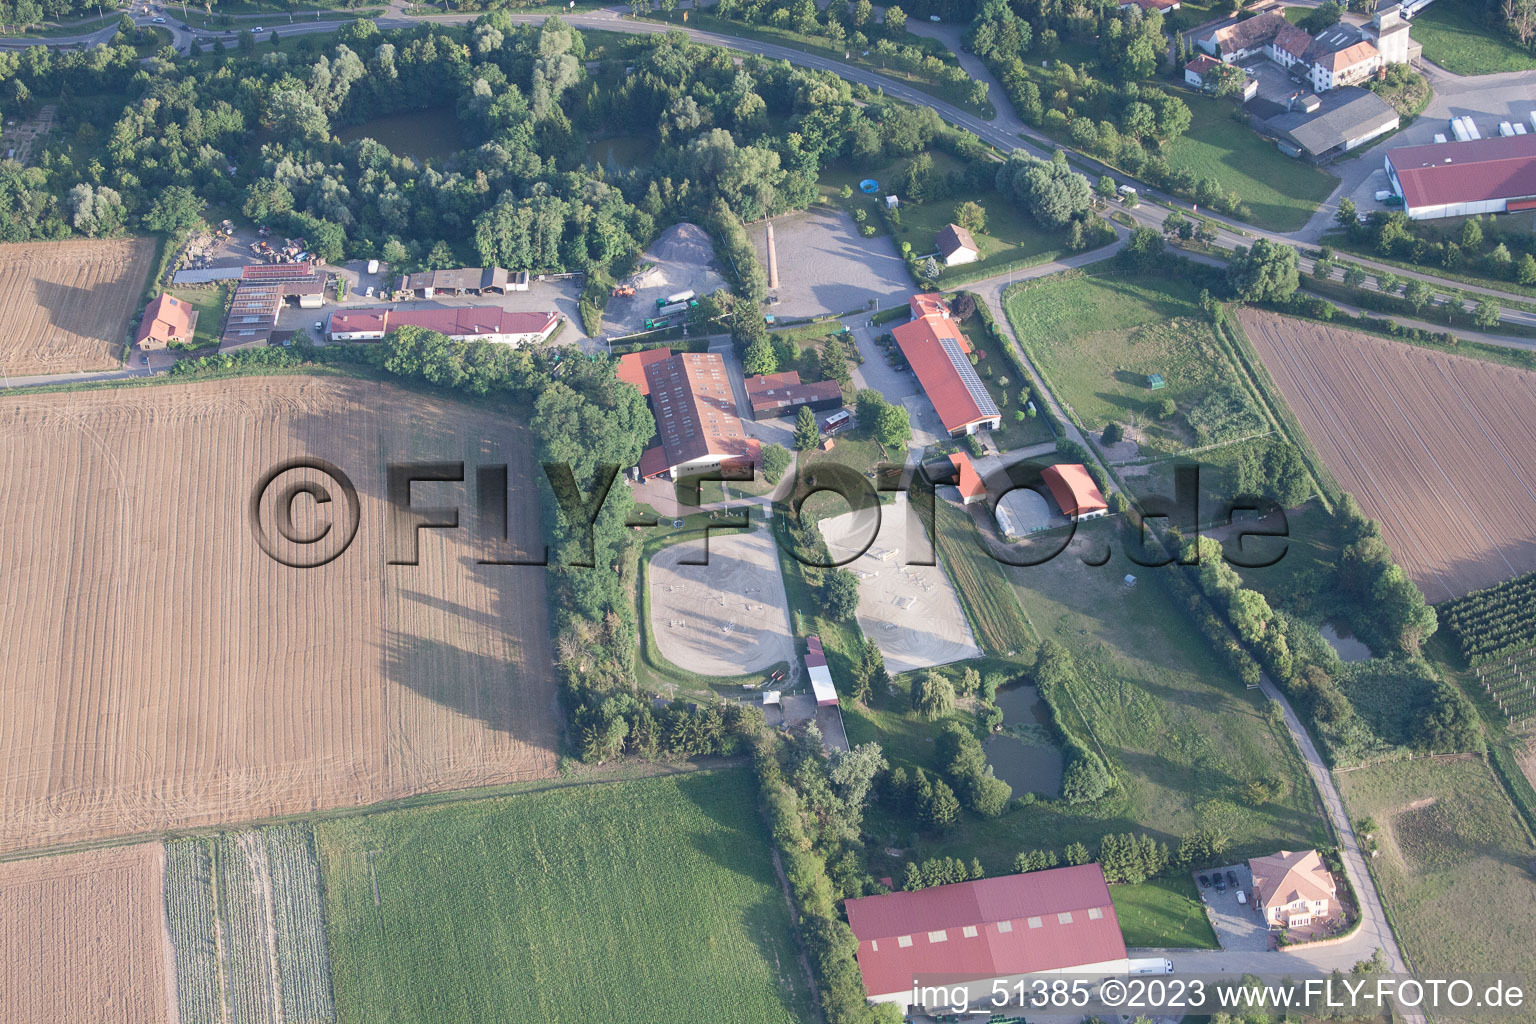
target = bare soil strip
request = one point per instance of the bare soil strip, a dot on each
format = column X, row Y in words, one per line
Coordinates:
column 82, row 938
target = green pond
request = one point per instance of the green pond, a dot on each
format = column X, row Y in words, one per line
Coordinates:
column 422, row 135
column 1025, row 754
column 621, row 151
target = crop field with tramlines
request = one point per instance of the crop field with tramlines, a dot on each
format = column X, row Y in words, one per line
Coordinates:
column 65, row 306
column 162, row 671
column 245, row 917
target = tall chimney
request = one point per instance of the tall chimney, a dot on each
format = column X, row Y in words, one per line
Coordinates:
column 773, row 260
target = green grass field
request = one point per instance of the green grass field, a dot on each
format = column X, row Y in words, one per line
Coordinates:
column 627, row 901
column 1455, row 865
column 1454, row 39
column 1165, row 912
column 209, row 303
column 1162, row 705
column 996, row 618
column 1281, row 192
column 1184, row 736
column 1097, row 336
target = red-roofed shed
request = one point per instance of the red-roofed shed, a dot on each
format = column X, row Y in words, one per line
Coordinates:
column 1455, row 179
column 939, row 355
column 967, row 480
column 1075, row 491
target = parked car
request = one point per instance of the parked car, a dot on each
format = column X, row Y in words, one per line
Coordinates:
column 1205, row 881
column 158, row 21
column 1221, row 883
column 1232, row 879
column 1242, row 898
column 319, row 325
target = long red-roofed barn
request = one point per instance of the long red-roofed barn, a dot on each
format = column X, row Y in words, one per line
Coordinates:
column 1458, row 179
column 940, row 356
column 971, row 933
column 697, row 425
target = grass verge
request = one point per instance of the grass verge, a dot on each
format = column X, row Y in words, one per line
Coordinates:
column 1165, row 913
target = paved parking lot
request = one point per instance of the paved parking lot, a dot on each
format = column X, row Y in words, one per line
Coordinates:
column 896, row 385
column 826, row 266
column 1238, row 928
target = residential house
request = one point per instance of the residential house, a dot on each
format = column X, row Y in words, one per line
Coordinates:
column 166, row 319
column 1292, row 889
column 956, row 246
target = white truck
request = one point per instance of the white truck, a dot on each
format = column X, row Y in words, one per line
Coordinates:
column 1150, row 965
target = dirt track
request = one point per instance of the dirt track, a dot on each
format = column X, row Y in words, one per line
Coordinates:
column 82, row 938
column 1434, row 446
column 162, row 671
column 65, row 306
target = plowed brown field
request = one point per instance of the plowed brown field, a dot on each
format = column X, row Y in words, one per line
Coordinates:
column 82, row 938
column 1434, row 446
column 161, row 671
column 65, row 306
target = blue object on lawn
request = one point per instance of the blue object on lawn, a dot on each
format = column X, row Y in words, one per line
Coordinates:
column 869, row 186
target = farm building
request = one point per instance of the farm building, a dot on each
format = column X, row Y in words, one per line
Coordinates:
column 166, row 319
column 464, row 281
column 1292, row 889
column 940, row 356
column 1346, row 120
column 262, row 290
column 782, row 394
column 956, row 246
column 1455, row 179
column 967, row 481
column 1195, row 70
column 461, row 323
column 1020, row 512
column 971, row 933
column 1341, row 55
column 696, row 422
column 631, row 368
column 1074, row 491
column 820, row 675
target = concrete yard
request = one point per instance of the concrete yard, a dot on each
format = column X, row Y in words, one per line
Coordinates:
column 726, row 618
column 910, row 611
column 825, row 266
column 682, row 258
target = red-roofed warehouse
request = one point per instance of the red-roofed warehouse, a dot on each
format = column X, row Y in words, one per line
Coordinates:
column 973, row 932
column 940, row 356
column 1458, row 179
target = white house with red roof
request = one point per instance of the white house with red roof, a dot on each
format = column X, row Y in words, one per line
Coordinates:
column 940, row 356
column 1292, row 888
column 972, row 933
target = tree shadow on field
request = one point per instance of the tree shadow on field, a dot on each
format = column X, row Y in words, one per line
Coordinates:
column 475, row 685
column 69, row 308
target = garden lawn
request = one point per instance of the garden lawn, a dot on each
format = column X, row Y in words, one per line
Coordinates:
column 1096, row 337
column 626, row 901
column 209, row 303
column 1281, row 193
column 1454, row 39
column 1454, row 868
column 1165, row 913
column 1006, row 383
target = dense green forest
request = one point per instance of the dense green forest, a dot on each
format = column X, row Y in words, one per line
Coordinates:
column 149, row 145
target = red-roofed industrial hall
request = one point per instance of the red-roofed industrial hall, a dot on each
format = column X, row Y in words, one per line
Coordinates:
column 973, row 932
column 940, row 356
column 1458, row 179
